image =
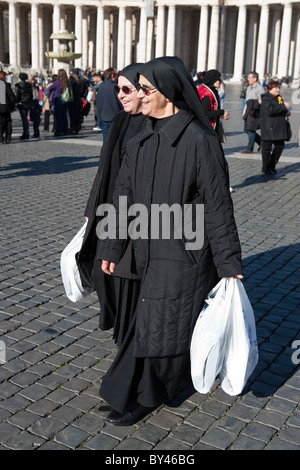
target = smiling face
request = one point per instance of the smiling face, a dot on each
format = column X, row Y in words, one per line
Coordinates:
column 154, row 103
column 131, row 103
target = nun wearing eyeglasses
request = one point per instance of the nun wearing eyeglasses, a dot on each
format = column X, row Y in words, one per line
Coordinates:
column 176, row 160
column 120, row 292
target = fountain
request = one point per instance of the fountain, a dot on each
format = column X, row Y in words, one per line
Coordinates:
column 64, row 54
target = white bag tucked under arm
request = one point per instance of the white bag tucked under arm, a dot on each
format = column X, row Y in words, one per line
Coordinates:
column 69, row 269
column 224, row 339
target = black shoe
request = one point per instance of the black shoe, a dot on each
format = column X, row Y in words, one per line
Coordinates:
column 273, row 171
column 268, row 172
column 23, row 137
column 129, row 417
column 114, row 416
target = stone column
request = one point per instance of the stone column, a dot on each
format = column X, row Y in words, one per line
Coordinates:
column 121, row 38
column 92, row 38
column 78, row 34
column 99, row 37
column 283, row 59
column 202, row 40
column 170, row 47
column 84, row 57
column 149, row 46
column 141, row 48
column 12, row 33
column 22, row 35
column 297, row 52
column 41, row 36
column 160, row 32
column 262, row 42
column 213, row 38
column 55, row 29
column 34, row 36
column 222, row 38
column 106, row 40
column 128, row 38
column 240, row 43
column 275, row 41
column 1, row 35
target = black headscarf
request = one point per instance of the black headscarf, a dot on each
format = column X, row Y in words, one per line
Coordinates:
column 171, row 77
column 131, row 72
column 211, row 77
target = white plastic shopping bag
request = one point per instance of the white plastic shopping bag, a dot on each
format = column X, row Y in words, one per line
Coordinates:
column 241, row 354
column 209, row 337
column 69, row 269
column 224, row 339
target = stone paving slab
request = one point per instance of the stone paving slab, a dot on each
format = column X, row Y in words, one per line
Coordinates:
column 55, row 355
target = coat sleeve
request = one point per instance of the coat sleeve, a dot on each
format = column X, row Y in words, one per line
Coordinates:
column 114, row 245
column 275, row 109
column 220, row 225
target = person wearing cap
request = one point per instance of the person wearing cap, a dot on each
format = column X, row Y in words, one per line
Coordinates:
column 175, row 160
column 119, row 293
column 7, row 104
column 24, row 99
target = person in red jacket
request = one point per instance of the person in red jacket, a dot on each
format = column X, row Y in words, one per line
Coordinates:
column 210, row 98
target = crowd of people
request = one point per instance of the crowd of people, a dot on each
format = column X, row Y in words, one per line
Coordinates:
column 67, row 99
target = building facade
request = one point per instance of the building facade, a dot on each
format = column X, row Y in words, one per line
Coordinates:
column 235, row 36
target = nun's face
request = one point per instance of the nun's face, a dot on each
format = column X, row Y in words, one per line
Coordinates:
column 128, row 95
column 153, row 102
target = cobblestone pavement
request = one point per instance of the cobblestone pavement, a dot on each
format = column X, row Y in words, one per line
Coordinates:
column 53, row 354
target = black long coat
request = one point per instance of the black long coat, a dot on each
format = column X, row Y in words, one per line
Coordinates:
column 179, row 164
column 272, row 118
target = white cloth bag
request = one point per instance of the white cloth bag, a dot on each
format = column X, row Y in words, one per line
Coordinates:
column 69, row 269
column 224, row 339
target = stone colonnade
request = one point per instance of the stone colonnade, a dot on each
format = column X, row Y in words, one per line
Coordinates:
column 234, row 37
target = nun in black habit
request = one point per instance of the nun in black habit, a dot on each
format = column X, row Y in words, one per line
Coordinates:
column 175, row 159
column 120, row 292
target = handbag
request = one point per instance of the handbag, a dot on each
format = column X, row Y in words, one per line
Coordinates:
column 224, row 339
column 288, row 130
column 70, row 274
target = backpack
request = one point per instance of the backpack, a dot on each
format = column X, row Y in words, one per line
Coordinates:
column 67, row 95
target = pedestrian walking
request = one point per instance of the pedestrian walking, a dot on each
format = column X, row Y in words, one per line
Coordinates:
column 119, row 293
column 251, row 112
column 107, row 101
column 75, row 106
column 208, row 92
column 24, row 99
column 175, row 159
column 273, row 113
column 7, row 105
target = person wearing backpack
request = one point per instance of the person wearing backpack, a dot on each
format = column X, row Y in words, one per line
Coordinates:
column 59, row 86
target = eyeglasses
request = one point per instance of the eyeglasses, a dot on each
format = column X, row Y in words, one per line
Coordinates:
column 126, row 90
column 147, row 91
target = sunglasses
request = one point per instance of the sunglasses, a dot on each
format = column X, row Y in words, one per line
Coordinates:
column 147, row 91
column 126, row 90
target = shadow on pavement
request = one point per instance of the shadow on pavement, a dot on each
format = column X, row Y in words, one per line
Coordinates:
column 262, row 178
column 53, row 165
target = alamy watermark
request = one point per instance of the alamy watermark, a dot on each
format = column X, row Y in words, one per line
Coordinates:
column 161, row 222
column 296, row 96
column 2, row 352
column 296, row 354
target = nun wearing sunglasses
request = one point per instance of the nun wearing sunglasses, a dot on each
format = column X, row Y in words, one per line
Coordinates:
column 117, row 294
column 176, row 159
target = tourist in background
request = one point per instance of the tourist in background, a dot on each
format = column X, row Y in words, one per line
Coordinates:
column 273, row 113
column 7, row 105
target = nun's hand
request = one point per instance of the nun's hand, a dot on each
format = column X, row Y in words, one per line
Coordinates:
column 238, row 276
column 108, row 267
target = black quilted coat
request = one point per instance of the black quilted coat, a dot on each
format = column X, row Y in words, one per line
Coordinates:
column 178, row 164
